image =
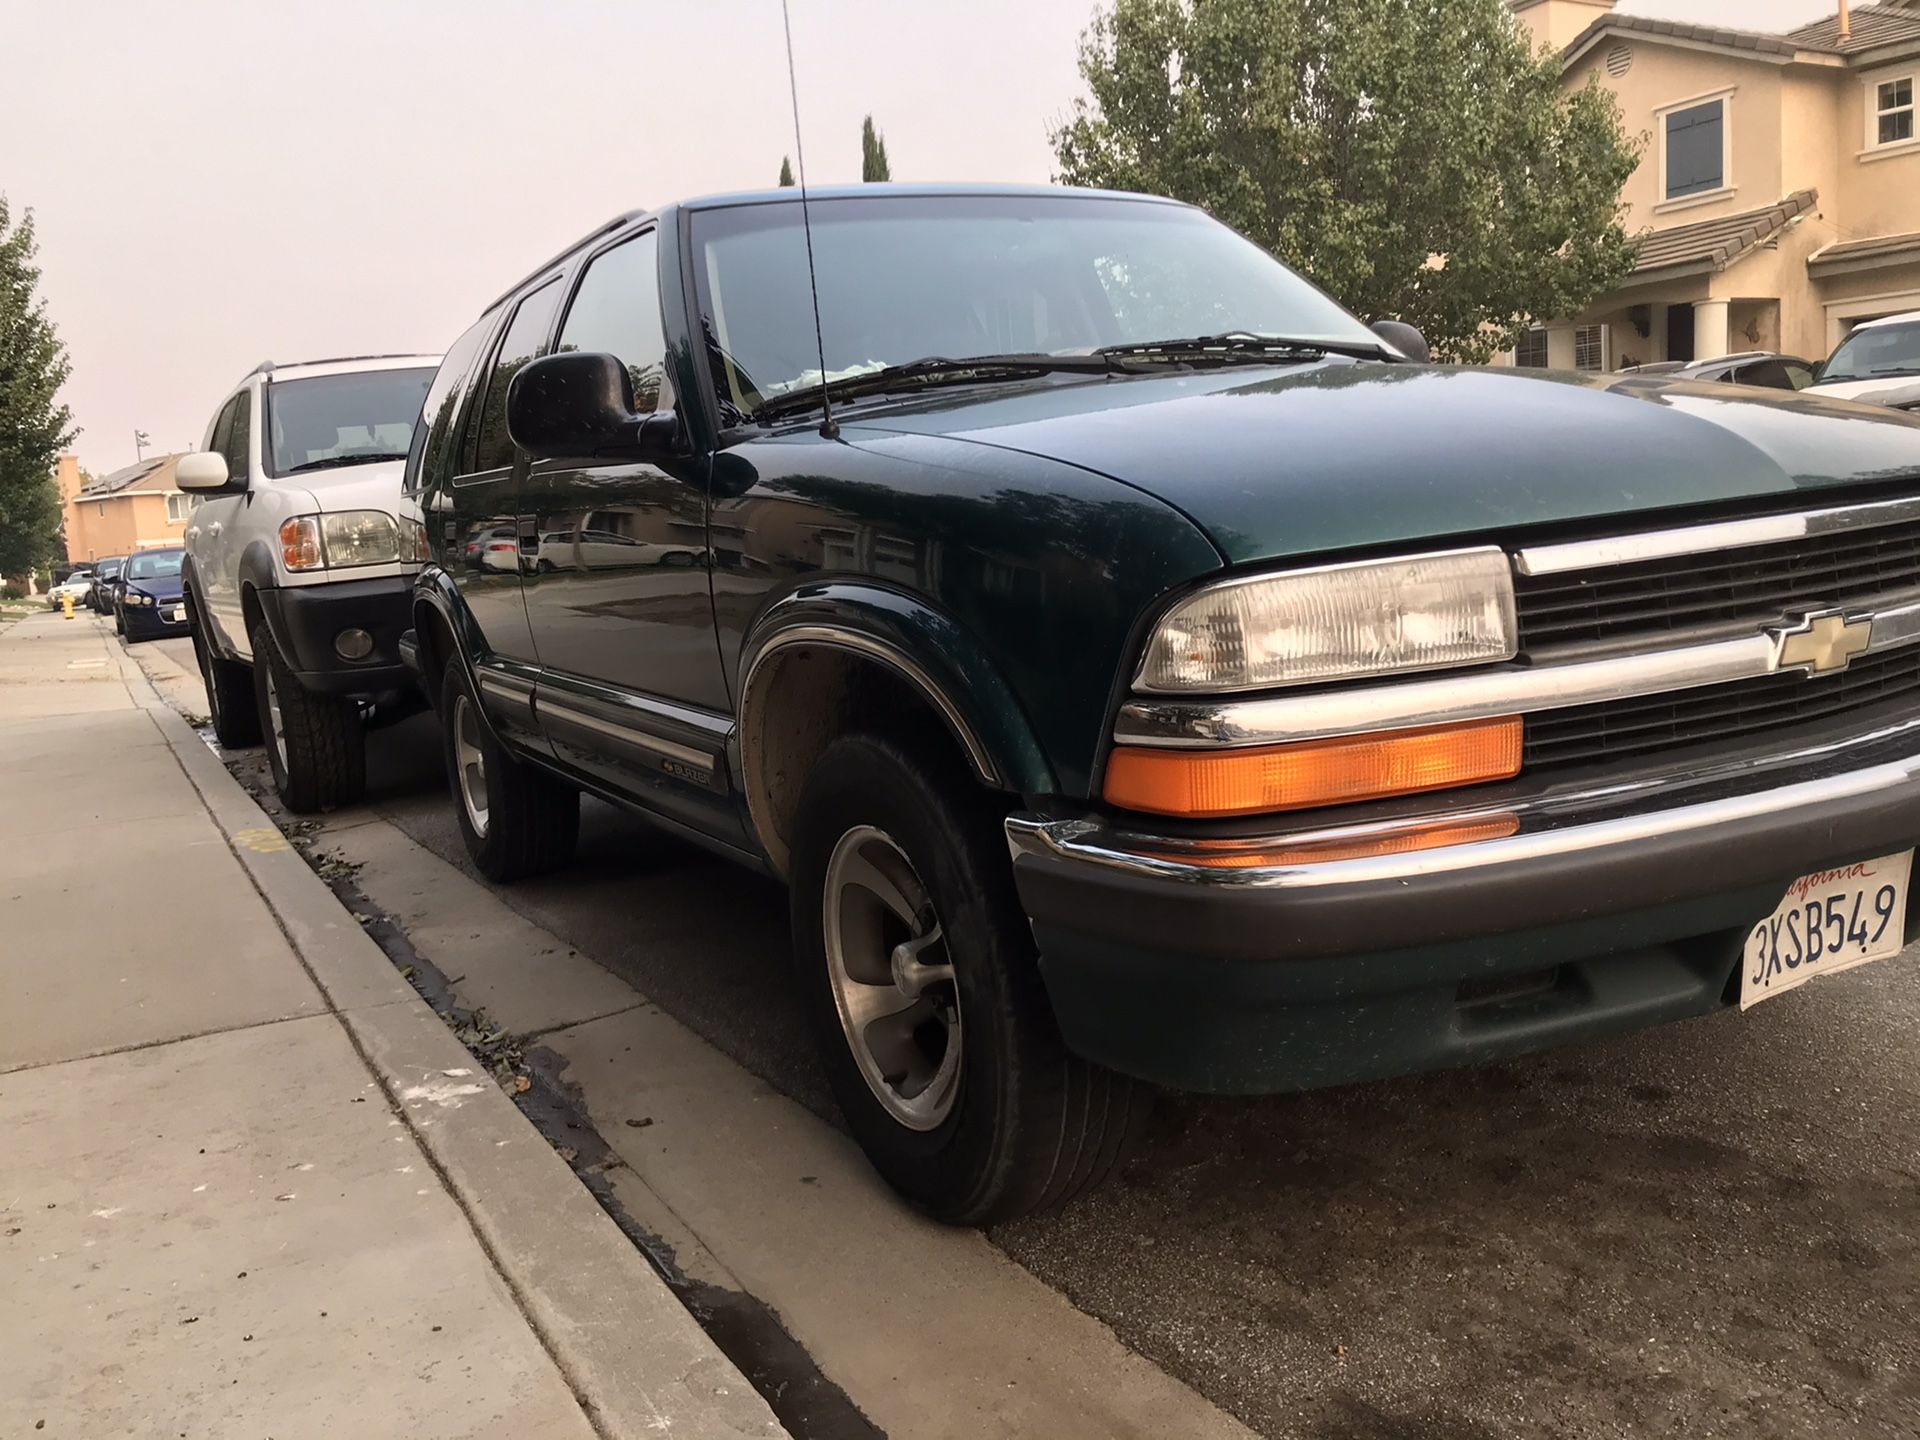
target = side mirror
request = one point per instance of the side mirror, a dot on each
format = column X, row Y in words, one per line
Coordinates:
column 580, row 403
column 1405, row 338
column 203, row 471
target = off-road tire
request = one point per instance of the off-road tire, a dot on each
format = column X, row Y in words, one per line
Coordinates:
column 230, row 700
column 321, row 763
column 532, row 818
column 1033, row 1125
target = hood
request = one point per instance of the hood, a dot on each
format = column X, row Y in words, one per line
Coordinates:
column 1888, row 390
column 375, row 486
column 1275, row 462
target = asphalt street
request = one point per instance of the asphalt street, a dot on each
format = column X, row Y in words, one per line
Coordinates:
column 1706, row 1229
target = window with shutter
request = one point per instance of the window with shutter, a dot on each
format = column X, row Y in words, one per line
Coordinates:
column 1696, row 141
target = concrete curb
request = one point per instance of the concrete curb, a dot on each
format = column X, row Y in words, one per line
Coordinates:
column 636, row 1360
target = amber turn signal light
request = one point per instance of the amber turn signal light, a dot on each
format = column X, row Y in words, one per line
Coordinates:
column 1202, row 783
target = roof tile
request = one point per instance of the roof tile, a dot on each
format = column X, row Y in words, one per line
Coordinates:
column 1718, row 243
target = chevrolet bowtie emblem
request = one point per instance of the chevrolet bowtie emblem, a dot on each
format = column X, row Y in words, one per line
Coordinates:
column 1822, row 643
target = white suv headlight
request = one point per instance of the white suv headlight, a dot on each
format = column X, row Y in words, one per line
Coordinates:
column 1336, row 622
column 341, row 541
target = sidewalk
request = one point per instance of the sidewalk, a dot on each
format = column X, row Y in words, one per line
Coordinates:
column 249, row 1184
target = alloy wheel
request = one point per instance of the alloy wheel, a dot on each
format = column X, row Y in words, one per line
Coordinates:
column 892, row 979
column 470, row 764
column 276, row 726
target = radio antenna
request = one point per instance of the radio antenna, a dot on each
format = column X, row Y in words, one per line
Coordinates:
column 827, row 427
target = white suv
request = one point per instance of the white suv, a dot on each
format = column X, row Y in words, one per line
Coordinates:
column 300, row 563
column 1879, row 361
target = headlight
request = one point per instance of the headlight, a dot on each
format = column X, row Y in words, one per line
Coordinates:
column 138, row 597
column 339, row 542
column 360, row 537
column 1337, row 622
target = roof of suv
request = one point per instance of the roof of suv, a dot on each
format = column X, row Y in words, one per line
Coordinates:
column 1905, row 318
column 341, row 365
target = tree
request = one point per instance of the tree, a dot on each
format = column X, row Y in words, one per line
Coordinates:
column 786, row 172
column 873, row 153
column 33, row 429
column 1413, row 157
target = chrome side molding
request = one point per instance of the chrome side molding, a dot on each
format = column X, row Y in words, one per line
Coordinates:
column 1718, row 535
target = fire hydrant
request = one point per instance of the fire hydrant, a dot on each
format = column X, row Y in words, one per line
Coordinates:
column 66, row 605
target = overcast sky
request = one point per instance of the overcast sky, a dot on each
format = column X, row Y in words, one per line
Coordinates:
column 218, row 182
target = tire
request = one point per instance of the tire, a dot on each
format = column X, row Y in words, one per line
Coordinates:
column 517, row 819
column 119, row 622
column 230, row 700
column 1021, row 1124
column 316, row 752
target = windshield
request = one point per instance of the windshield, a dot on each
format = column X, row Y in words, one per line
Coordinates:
column 155, row 566
column 108, row 569
column 342, row 419
column 902, row 279
column 1877, row 350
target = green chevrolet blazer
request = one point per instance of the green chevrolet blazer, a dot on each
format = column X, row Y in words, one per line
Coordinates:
column 1145, row 674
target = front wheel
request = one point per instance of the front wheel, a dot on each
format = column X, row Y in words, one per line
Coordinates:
column 924, row 991
column 315, row 749
column 516, row 820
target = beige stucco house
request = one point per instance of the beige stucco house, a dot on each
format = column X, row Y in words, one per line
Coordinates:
column 136, row 508
column 1779, row 188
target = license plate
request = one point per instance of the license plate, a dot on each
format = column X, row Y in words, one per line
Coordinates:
column 1830, row 920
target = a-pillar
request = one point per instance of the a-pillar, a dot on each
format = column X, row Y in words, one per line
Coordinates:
column 1711, row 329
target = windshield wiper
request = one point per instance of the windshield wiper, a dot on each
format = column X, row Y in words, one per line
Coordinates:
column 935, row 370
column 328, row 462
column 1240, row 345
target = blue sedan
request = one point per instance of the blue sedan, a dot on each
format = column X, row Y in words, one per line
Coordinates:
column 148, row 604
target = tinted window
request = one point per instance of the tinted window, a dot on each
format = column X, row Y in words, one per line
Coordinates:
column 1799, row 375
column 1770, row 373
column 333, row 420
column 1876, row 351
column 236, row 443
column 221, row 441
column 616, row 311
column 493, row 447
column 429, row 457
column 1695, row 149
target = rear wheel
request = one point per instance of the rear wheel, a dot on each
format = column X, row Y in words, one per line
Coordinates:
column 924, row 991
column 314, row 745
column 230, row 700
column 516, row 820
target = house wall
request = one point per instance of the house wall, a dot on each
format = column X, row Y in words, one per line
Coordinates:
column 120, row 524
column 1556, row 24
column 1879, row 190
column 1663, row 77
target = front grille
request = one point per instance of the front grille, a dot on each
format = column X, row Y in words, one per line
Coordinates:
column 1619, row 729
column 1756, row 584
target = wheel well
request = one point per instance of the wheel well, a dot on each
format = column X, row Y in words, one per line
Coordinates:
column 250, row 610
column 806, row 697
column 430, row 628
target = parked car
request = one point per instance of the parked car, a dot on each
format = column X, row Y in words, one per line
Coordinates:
column 1877, row 358
column 1176, row 685
column 299, row 571
column 100, row 591
column 149, row 605
column 75, row 585
column 1751, row 367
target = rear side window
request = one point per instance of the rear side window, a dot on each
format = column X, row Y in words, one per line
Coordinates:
column 429, row 457
column 616, row 311
column 492, row 446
